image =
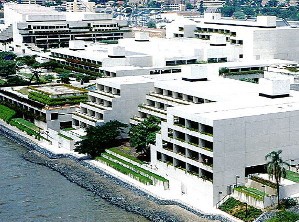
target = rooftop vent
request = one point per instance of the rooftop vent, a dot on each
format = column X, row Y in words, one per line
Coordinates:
column 194, row 73
column 274, row 87
column 117, row 52
column 141, row 36
column 76, row 45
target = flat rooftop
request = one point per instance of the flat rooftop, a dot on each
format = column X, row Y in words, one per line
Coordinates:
column 128, row 80
column 242, row 106
column 93, row 51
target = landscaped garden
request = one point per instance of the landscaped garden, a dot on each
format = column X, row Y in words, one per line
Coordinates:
column 240, row 210
column 47, row 100
column 129, row 165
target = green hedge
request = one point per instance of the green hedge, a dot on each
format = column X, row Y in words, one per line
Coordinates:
column 26, row 126
column 136, row 168
column 125, row 170
column 119, row 152
column 249, row 191
column 238, row 209
column 47, row 100
column 6, row 113
column 263, row 181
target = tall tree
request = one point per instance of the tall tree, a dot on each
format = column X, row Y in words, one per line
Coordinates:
column 276, row 168
column 144, row 134
column 99, row 138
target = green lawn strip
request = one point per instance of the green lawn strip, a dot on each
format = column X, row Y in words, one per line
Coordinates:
column 263, row 181
column 284, row 216
column 119, row 152
column 293, row 176
column 238, row 209
column 125, row 170
column 68, row 129
column 136, row 168
column 257, row 194
column 6, row 113
column 64, row 136
column 26, row 126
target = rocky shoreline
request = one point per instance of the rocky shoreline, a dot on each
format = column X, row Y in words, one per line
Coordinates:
column 108, row 187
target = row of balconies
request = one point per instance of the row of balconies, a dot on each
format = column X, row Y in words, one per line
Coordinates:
column 189, row 154
column 79, row 59
column 219, row 31
column 190, row 139
column 193, row 126
column 108, row 89
column 180, row 96
column 187, row 167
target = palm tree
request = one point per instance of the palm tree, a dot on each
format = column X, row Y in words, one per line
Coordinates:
column 276, row 168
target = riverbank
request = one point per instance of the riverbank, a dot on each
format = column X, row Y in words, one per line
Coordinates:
column 106, row 186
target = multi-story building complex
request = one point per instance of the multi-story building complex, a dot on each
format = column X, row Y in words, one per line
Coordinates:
column 213, row 129
column 205, row 147
column 116, row 99
column 47, row 28
column 249, row 40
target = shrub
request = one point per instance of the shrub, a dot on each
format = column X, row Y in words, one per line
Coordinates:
column 287, row 203
column 284, row 216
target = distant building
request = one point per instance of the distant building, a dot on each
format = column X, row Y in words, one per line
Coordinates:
column 258, row 39
column 34, row 25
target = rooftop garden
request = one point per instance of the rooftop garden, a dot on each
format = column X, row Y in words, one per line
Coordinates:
column 240, row 210
column 47, row 100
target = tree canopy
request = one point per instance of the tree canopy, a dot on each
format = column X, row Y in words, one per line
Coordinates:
column 144, row 134
column 99, row 138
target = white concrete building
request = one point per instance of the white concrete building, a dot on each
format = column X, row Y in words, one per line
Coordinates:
column 204, row 147
column 249, row 40
column 35, row 25
column 116, row 99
